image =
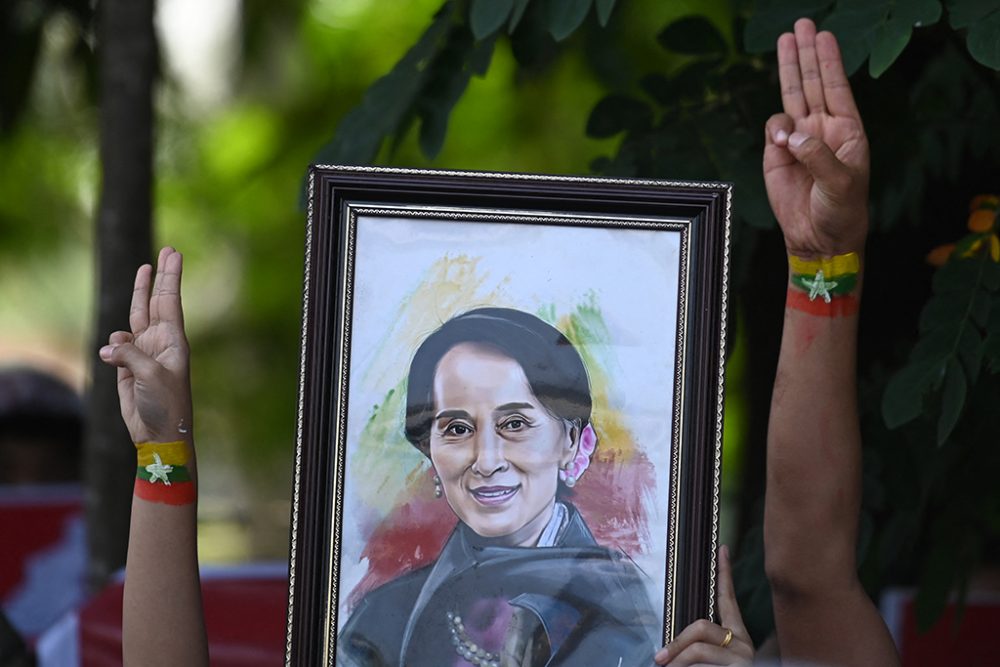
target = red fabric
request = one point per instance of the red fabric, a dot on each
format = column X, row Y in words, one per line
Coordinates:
column 244, row 617
column 38, row 518
column 973, row 643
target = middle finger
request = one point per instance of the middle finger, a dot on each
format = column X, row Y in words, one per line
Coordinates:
column 812, row 81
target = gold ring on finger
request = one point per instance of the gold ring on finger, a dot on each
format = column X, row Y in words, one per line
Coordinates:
column 728, row 640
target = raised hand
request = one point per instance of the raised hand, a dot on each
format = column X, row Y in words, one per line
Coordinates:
column 154, row 386
column 816, row 153
column 707, row 643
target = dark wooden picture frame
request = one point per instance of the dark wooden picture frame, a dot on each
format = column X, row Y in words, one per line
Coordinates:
column 365, row 222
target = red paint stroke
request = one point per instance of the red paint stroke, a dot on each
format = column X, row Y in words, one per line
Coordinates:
column 839, row 306
column 410, row 537
column 610, row 496
column 178, row 493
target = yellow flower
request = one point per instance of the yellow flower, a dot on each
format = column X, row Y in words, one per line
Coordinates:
column 994, row 248
column 982, row 220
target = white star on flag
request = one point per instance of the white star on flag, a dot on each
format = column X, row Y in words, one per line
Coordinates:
column 159, row 470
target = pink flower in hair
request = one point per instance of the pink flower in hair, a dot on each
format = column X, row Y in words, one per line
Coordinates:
column 571, row 474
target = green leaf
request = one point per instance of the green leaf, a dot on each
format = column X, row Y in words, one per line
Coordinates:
column 450, row 74
column 991, row 349
column 983, row 41
column 938, row 343
column 970, row 351
column 890, row 40
column 516, row 14
column 956, row 276
column 904, row 395
column 565, row 16
column 617, row 113
column 940, row 309
column 657, row 86
column 917, row 13
column 964, row 13
column 991, row 276
column 773, row 17
column 993, row 324
column 980, row 308
column 486, row 16
column 604, row 8
column 693, row 36
column 952, row 401
column 893, row 37
column 856, row 24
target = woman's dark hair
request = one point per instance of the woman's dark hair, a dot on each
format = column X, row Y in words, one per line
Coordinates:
column 553, row 367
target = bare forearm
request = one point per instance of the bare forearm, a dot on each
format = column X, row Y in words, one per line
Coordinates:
column 814, row 451
column 163, row 622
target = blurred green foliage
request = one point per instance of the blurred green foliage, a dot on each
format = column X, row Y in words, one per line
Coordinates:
column 696, row 110
column 631, row 88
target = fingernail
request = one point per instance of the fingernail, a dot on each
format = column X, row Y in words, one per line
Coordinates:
column 797, row 139
column 661, row 656
column 780, row 137
column 105, row 352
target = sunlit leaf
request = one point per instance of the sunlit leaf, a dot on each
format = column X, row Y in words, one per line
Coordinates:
column 486, row 16
column 692, row 35
column 387, row 102
column 565, row 16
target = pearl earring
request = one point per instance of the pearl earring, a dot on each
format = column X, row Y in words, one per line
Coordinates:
column 438, row 491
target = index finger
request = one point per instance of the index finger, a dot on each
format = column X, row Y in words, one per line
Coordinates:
column 793, row 100
column 138, row 314
column 729, row 610
column 836, row 88
column 167, row 290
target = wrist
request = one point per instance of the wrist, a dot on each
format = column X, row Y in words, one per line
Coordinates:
column 826, row 286
column 165, row 472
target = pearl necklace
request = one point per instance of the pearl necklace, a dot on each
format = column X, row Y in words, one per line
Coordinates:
column 468, row 649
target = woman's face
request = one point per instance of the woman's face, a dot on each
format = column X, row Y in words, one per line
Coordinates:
column 496, row 449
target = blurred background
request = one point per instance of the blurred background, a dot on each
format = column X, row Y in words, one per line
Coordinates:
column 243, row 96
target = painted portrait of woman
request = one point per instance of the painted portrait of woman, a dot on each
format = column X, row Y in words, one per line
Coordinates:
column 505, row 493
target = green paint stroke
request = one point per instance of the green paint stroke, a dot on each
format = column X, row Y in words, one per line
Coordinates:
column 382, row 441
column 588, row 332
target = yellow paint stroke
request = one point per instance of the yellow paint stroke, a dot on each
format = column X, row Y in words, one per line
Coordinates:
column 585, row 328
column 385, row 465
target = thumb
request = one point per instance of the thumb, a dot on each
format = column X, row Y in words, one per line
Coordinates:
column 729, row 610
column 127, row 355
column 826, row 169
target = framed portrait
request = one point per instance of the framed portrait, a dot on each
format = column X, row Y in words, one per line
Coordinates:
column 510, row 418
